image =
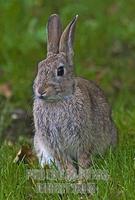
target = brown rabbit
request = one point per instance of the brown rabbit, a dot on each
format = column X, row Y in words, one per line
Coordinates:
column 71, row 115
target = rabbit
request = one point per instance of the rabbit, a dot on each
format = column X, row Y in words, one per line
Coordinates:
column 72, row 117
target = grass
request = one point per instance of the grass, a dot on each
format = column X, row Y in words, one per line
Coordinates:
column 119, row 164
column 104, row 52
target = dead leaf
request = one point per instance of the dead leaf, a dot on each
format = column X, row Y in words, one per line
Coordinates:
column 5, row 90
column 25, row 154
column 100, row 75
column 113, row 9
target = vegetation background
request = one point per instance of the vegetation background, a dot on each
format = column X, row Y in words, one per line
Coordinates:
column 104, row 52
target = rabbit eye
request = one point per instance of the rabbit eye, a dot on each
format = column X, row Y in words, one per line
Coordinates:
column 60, row 71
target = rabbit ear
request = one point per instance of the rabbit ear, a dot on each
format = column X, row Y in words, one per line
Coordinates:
column 66, row 40
column 54, row 31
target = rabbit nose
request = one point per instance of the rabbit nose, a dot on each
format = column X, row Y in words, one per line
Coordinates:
column 41, row 93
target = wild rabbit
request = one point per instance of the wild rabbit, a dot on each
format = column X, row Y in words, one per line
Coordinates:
column 71, row 115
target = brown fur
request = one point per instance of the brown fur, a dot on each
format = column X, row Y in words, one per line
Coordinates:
column 73, row 119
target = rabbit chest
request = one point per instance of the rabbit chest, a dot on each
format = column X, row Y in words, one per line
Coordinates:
column 63, row 123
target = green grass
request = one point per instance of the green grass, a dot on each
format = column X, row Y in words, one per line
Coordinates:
column 120, row 166
column 104, row 51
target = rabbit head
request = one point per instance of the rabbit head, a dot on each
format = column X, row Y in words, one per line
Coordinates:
column 54, row 78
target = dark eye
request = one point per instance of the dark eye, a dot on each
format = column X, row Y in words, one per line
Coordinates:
column 60, row 71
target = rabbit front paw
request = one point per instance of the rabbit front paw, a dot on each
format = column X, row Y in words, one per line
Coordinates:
column 43, row 154
column 45, row 159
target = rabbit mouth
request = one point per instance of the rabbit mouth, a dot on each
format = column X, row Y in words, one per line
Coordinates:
column 51, row 98
column 54, row 98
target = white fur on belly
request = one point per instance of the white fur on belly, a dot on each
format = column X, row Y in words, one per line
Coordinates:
column 43, row 153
